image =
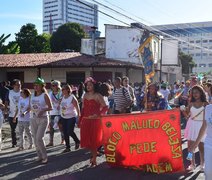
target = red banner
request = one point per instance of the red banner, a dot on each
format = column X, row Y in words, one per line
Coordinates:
column 147, row 141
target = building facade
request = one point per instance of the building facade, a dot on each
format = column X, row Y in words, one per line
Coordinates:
column 199, row 38
column 58, row 12
column 67, row 67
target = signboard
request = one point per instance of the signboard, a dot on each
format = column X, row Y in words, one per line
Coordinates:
column 146, row 141
column 170, row 52
column 123, row 44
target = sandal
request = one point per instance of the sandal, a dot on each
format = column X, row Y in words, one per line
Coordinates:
column 191, row 168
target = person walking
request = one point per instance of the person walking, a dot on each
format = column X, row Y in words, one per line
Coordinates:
column 122, row 98
column 69, row 111
column 12, row 102
column 24, row 118
column 55, row 119
column 153, row 100
column 90, row 124
column 40, row 105
column 206, row 128
column 195, row 116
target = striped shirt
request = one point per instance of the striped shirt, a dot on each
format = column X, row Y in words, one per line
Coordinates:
column 122, row 99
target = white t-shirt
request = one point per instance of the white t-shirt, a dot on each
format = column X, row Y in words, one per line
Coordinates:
column 37, row 104
column 165, row 93
column 55, row 99
column 67, row 109
column 23, row 105
column 14, row 99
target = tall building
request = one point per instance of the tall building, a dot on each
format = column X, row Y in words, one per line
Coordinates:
column 58, row 12
column 196, row 34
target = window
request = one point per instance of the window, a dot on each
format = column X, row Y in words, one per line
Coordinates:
column 210, row 40
column 202, row 65
column 191, row 41
column 74, row 78
column 205, row 41
column 204, row 54
column 210, row 65
column 198, row 54
column 197, row 41
column 15, row 75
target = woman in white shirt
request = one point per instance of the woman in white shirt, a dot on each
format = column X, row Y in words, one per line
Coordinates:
column 40, row 105
column 206, row 127
column 24, row 118
column 55, row 96
column 69, row 110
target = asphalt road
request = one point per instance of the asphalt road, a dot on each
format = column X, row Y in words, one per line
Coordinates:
column 73, row 165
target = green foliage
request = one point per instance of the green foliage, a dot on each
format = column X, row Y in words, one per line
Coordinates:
column 11, row 48
column 30, row 42
column 67, row 36
column 26, row 38
column 187, row 63
column 3, row 48
column 42, row 43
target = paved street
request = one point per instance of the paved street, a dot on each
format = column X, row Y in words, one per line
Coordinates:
column 73, row 165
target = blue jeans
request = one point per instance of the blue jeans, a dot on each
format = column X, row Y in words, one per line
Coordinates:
column 68, row 130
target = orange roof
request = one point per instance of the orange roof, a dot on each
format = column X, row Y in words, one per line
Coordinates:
column 66, row 59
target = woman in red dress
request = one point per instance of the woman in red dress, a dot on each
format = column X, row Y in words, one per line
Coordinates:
column 91, row 128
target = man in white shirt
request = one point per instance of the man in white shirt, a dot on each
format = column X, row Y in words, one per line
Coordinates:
column 12, row 102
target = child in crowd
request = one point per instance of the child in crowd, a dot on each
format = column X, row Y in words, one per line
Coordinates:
column 24, row 118
column 194, row 114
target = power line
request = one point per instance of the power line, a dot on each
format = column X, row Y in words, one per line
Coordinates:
column 149, row 27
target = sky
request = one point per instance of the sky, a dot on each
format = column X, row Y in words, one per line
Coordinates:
column 16, row 13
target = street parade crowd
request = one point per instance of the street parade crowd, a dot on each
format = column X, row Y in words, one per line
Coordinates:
column 66, row 107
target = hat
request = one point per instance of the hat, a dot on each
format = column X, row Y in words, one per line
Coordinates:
column 90, row 79
column 164, row 85
column 56, row 82
column 39, row 81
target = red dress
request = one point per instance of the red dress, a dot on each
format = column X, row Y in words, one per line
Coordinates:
column 90, row 129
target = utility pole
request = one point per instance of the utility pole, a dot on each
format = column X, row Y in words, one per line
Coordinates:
column 161, row 57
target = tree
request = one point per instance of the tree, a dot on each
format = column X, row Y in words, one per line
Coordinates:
column 26, row 38
column 187, row 63
column 11, row 48
column 42, row 43
column 67, row 36
column 2, row 41
column 30, row 42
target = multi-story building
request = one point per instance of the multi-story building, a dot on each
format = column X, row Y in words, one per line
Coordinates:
column 58, row 12
column 196, row 41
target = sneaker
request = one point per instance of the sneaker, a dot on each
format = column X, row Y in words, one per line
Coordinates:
column 44, row 161
column 77, row 145
column 49, row 145
column 66, row 150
